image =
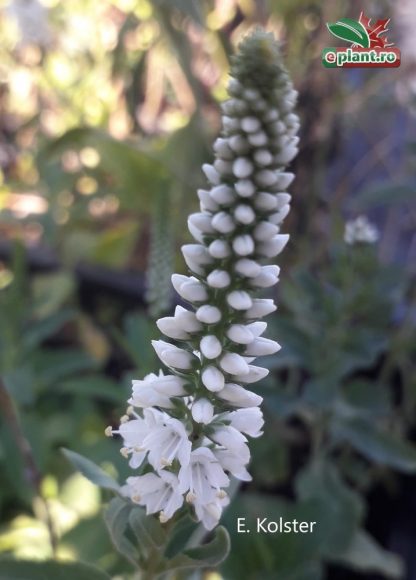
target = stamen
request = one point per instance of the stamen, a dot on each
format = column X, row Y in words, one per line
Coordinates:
column 109, row 431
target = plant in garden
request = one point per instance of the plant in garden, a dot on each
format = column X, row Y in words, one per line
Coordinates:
column 185, row 432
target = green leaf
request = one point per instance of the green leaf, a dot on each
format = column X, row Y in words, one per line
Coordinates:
column 210, row 554
column 116, row 518
column 43, row 329
column 351, row 31
column 146, row 528
column 179, row 535
column 320, row 482
column 365, row 555
column 91, row 471
column 21, row 570
column 95, row 386
column 376, row 445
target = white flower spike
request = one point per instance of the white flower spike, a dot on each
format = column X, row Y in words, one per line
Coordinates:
column 190, row 426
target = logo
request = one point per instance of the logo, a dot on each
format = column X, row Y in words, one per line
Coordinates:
column 370, row 46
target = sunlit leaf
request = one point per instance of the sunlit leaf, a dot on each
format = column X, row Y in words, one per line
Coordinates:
column 91, row 471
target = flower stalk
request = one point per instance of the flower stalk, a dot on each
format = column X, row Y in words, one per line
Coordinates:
column 186, row 431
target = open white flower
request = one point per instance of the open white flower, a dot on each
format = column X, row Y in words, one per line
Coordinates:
column 203, row 478
column 158, row 493
column 168, row 441
column 156, row 391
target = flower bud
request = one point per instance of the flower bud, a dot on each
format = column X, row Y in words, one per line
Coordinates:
column 261, row 307
column 240, row 334
column 262, row 347
column 243, row 245
column 222, row 194
column 172, row 356
column 274, row 246
column 239, row 397
column 234, row 364
column 213, row 379
column 210, row 346
column 239, row 300
column 208, row 314
column 242, row 168
column 219, row 279
column 203, row 411
column 211, row 174
column 248, row 268
column 244, row 214
column 170, row 327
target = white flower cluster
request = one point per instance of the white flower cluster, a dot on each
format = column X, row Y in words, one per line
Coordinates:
column 360, row 231
column 187, row 430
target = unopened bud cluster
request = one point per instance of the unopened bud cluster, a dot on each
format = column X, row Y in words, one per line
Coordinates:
column 188, row 429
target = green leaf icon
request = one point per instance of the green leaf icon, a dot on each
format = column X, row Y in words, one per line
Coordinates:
column 351, row 31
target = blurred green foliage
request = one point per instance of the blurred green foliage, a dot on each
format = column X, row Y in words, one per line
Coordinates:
column 106, row 119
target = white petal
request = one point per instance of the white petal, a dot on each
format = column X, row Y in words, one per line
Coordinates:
column 234, row 364
column 263, row 157
column 265, row 201
column 278, row 217
column 240, row 334
column 193, row 291
column 258, row 139
column 242, row 168
column 222, row 148
column 222, row 194
column 211, row 174
column 244, row 214
column 249, row 421
column 245, row 188
column 264, row 231
column 187, row 320
column 257, row 328
column 285, row 179
column 202, row 221
column 287, row 155
column 274, row 246
column 213, row 379
column 207, row 203
column 243, row 245
column 210, row 346
column 202, row 411
column 254, row 374
column 208, row 314
column 238, row 144
column 170, row 327
column 237, row 396
column 239, row 300
column 261, row 307
column 250, row 124
column 262, row 347
column 248, row 268
column 283, row 199
column 219, row 279
column 219, row 249
column 223, row 167
column 223, row 222
column 172, row 356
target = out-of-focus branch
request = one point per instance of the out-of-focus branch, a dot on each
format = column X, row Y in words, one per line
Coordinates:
column 32, row 474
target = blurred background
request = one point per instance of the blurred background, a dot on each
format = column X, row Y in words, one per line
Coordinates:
column 107, row 111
